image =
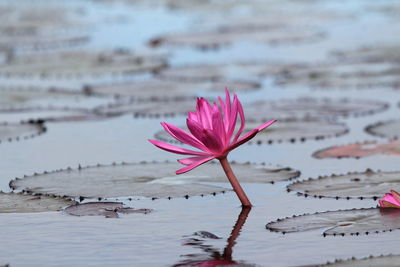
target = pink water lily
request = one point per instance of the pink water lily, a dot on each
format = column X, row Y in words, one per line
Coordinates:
column 390, row 200
column 212, row 131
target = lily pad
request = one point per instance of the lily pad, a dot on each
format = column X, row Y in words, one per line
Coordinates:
column 312, row 108
column 373, row 54
column 80, row 63
column 152, row 180
column 383, row 260
column 23, row 203
column 107, row 209
column 361, row 185
column 42, row 26
column 359, row 150
column 216, row 72
column 161, row 89
column 343, row 76
column 164, row 107
column 387, row 129
column 227, row 35
column 17, row 131
column 290, row 130
column 341, row 222
column 22, row 97
column 117, row 180
column 298, row 108
column 48, row 114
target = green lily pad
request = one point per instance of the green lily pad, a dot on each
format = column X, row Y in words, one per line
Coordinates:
column 387, row 129
column 18, row 131
column 161, row 89
column 23, row 203
column 361, row 185
column 341, row 222
column 118, row 180
column 283, row 131
column 383, row 260
column 107, row 209
column 80, row 63
column 359, row 150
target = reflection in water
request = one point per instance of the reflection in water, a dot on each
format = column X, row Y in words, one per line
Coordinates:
column 212, row 256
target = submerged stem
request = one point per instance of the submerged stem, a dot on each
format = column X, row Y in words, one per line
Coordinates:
column 234, row 182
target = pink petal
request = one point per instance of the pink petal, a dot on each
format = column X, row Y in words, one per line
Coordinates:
column 390, row 198
column 207, row 137
column 232, row 118
column 183, row 136
column 219, row 128
column 242, row 119
column 385, row 204
column 194, row 165
column 265, row 125
column 204, row 113
column 212, row 141
column 251, row 134
column 225, row 114
column 175, row 149
column 193, row 116
column 227, row 101
column 396, row 195
column 191, row 160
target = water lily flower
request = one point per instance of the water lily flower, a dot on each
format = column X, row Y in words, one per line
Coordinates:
column 390, row 200
column 212, row 132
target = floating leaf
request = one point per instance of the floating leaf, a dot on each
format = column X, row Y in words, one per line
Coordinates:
column 161, row 89
column 226, row 36
column 107, row 209
column 383, row 260
column 387, row 129
column 371, row 54
column 343, row 76
column 17, row 131
column 358, row 150
column 166, row 107
column 313, row 107
column 299, row 108
column 368, row 184
column 48, row 114
column 41, row 26
column 215, row 72
column 285, row 131
column 341, row 222
column 23, row 203
column 153, row 180
column 117, row 180
column 246, row 173
column 22, row 98
column 76, row 63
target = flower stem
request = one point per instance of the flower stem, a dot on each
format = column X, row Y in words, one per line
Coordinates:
column 234, row 182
